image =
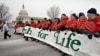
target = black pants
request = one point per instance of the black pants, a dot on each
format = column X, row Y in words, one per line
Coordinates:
column 6, row 34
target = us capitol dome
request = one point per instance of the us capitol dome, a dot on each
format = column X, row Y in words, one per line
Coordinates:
column 23, row 15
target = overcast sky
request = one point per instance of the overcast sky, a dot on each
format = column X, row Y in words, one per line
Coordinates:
column 38, row 8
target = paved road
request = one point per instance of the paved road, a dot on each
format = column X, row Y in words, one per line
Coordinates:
column 11, row 32
column 17, row 46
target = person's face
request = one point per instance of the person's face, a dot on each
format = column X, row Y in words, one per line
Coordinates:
column 73, row 18
column 82, row 18
column 62, row 16
column 91, row 16
column 31, row 20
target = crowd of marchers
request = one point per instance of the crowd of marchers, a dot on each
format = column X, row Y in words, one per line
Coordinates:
column 81, row 24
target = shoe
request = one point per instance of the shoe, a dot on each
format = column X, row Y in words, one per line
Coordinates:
column 90, row 36
column 9, row 36
column 97, row 36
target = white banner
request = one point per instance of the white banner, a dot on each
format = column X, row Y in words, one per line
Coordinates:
column 19, row 30
column 66, row 41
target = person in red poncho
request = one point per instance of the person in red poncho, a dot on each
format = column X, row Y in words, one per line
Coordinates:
column 50, row 21
column 54, row 25
column 44, row 24
column 93, row 22
column 39, row 24
column 63, row 21
column 71, row 24
column 32, row 23
column 81, row 23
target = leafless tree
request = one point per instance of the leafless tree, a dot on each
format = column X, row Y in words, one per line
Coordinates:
column 53, row 12
column 4, row 12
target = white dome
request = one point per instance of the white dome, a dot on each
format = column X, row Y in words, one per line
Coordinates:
column 23, row 12
column 23, row 15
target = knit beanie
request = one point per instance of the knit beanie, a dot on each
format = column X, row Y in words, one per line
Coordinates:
column 92, row 11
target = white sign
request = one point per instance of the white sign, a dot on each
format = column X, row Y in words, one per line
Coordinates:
column 66, row 41
column 19, row 30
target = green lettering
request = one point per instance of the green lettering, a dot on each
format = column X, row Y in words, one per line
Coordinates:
column 42, row 35
column 56, row 34
column 29, row 31
column 69, row 39
column 45, row 36
column 57, row 41
column 63, row 39
column 39, row 33
column 75, row 42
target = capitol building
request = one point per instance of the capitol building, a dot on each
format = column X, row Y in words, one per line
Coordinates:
column 23, row 17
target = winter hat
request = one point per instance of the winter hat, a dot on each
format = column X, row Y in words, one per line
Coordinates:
column 92, row 11
column 74, row 15
column 64, row 14
column 81, row 14
column 45, row 18
column 32, row 19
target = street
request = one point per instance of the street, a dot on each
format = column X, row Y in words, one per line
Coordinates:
column 17, row 46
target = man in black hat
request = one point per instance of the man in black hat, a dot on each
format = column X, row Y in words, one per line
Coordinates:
column 71, row 25
column 92, row 14
column 94, row 18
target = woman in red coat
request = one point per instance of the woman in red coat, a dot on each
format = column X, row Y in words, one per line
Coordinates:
column 63, row 21
column 44, row 24
column 81, row 23
column 71, row 24
column 32, row 23
column 54, row 25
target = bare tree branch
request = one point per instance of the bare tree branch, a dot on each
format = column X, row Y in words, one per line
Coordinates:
column 4, row 12
column 53, row 12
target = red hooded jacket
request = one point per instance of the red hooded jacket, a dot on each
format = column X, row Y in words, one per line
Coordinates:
column 33, row 24
column 81, row 24
column 43, row 24
column 91, row 26
column 63, row 21
column 54, row 26
column 97, row 22
column 71, row 24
